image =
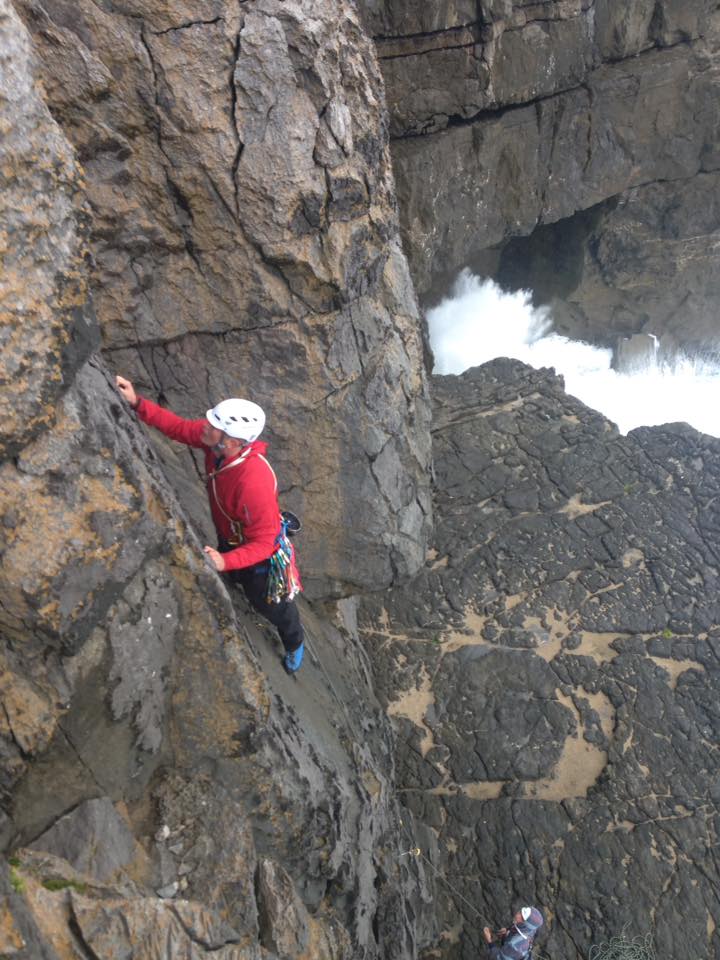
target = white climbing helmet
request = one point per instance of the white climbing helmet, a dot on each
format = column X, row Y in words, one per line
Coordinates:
column 241, row 419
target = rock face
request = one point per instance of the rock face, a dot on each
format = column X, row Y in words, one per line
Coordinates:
column 164, row 788
column 570, row 125
column 644, row 262
column 245, row 241
column 553, row 670
column 44, row 284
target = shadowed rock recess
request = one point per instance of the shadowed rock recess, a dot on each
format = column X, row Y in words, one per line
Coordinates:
column 203, row 200
column 566, row 147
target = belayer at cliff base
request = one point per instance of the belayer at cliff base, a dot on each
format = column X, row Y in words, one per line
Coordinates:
column 515, row 942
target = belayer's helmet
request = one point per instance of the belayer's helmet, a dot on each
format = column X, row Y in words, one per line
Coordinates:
column 241, row 419
column 532, row 920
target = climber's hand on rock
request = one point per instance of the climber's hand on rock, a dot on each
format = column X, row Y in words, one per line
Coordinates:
column 217, row 559
column 487, row 933
column 126, row 390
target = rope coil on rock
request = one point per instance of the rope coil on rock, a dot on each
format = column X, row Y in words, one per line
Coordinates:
column 620, row 948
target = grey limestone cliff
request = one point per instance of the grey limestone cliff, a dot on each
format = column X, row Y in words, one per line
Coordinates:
column 207, row 206
column 244, row 241
column 559, row 147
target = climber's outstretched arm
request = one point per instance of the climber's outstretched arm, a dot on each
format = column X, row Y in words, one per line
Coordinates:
column 191, row 432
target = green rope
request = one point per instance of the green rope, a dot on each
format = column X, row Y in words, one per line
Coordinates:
column 620, row 948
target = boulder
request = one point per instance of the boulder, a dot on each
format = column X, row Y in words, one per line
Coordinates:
column 93, row 838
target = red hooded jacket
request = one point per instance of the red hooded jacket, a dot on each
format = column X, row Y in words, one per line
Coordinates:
column 245, row 493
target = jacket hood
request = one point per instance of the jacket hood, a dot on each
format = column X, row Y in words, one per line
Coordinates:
column 259, row 446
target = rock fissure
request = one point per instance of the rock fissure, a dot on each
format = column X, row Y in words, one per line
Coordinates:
column 234, row 123
column 187, row 25
column 182, row 206
column 79, row 937
column 403, row 56
column 428, row 35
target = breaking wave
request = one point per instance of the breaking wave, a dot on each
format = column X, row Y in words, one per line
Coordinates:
column 480, row 322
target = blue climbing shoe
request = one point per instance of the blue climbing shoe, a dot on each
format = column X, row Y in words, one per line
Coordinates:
column 292, row 661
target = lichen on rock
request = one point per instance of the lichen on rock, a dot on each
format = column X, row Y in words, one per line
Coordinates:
column 43, row 289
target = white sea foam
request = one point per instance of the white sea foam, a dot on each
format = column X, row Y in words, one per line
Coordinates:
column 479, row 322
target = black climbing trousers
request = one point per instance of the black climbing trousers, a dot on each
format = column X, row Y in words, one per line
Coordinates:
column 284, row 615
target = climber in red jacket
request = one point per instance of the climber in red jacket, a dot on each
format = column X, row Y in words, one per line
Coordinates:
column 242, row 489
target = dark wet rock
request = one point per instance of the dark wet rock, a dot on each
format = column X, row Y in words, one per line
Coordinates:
column 643, row 262
column 553, row 671
column 509, row 730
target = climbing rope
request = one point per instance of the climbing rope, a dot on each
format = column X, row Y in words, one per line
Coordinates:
column 318, row 662
column 455, row 891
column 419, row 855
column 620, row 948
column 414, row 851
column 617, row 948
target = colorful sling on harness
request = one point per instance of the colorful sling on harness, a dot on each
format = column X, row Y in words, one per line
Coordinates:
column 283, row 580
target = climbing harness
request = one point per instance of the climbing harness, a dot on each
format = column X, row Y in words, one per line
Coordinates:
column 283, row 582
column 235, row 525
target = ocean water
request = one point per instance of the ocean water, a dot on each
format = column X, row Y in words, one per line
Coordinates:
column 479, row 322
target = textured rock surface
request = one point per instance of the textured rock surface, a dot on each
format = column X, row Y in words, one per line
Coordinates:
column 43, row 284
column 245, row 241
column 93, row 839
column 131, row 674
column 148, row 736
column 554, row 670
column 508, row 117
